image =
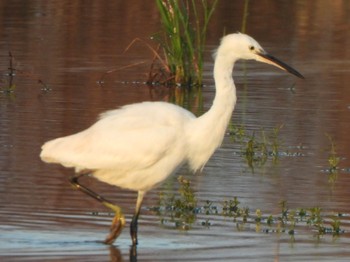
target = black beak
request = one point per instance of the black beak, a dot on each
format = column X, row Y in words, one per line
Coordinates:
column 269, row 59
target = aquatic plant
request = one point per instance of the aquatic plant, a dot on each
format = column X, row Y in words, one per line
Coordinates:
column 255, row 152
column 187, row 197
column 245, row 16
column 8, row 84
column 237, row 132
column 257, row 147
column 231, row 207
column 315, row 219
column 284, row 211
column 333, row 162
column 288, row 220
column 333, row 158
column 301, row 214
column 336, row 226
column 183, row 210
column 183, row 38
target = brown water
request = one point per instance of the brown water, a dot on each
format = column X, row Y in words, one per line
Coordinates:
column 69, row 45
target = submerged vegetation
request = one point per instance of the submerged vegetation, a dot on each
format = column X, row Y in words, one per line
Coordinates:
column 257, row 147
column 333, row 158
column 183, row 211
column 181, row 41
column 333, row 162
column 8, row 86
column 7, row 81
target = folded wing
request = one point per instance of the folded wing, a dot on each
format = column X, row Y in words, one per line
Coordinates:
column 133, row 137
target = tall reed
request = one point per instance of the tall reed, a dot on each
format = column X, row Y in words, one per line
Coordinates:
column 185, row 24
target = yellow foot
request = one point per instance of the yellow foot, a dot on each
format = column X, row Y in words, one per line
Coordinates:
column 117, row 224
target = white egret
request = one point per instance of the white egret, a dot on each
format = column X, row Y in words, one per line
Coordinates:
column 138, row 146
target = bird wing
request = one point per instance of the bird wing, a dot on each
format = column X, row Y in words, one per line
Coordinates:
column 133, row 137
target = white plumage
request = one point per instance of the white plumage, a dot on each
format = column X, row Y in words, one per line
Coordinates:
column 133, row 147
column 138, row 146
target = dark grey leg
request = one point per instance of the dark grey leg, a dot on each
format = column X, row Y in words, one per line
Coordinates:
column 133, row 224
column 118, row 221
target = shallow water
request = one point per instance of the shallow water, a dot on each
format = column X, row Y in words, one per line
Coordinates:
column 69, row 45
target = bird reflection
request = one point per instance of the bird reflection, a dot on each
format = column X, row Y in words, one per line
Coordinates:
column 133, row 253
column 116, row 256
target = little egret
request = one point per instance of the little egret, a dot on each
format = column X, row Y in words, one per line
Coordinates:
column 138, row 146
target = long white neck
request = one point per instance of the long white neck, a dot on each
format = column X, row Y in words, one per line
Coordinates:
column 209, row 129
column 225, row 97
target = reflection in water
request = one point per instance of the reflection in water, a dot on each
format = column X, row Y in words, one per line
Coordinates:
column 70, row 44
column 180, row 210
column 115, row 254
column 183, row 211
column 133, row 253
column 8, row 77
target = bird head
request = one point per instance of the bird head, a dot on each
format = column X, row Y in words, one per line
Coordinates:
column 241, row 46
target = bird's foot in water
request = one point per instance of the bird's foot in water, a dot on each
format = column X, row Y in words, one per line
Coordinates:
column 117, row 224
column 116, row 228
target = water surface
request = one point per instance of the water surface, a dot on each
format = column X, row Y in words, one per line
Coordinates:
column 68, row 46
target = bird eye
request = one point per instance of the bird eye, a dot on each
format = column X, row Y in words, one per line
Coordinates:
column 251, row 48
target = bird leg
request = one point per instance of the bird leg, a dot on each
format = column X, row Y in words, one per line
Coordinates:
column 133, row 224
column 118, row 221
column 133, row 228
